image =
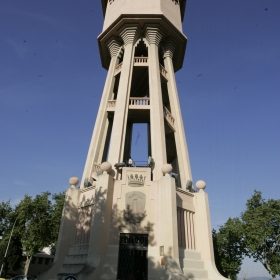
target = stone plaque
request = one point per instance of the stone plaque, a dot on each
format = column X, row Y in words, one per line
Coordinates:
column 135, row 207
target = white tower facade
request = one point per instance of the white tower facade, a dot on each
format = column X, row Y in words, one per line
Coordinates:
column 127, row 221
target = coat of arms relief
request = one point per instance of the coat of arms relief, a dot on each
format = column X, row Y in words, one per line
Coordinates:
column 135, row 207
column 136, row 179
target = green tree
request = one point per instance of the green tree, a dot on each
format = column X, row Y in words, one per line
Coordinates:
column 229, row 248
column 7, row 219
column 34, row 224
column 5, row 215
column 37, row 226
column 56, row 214
column 261, row 232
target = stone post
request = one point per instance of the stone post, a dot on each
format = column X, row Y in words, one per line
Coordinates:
column 180, row 139
column 129, row 35
column 204, row 237
column 100, row 226
column 158, row 146
column 96, row 146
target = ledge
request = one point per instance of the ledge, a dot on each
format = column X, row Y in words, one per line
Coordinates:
column 185, row 192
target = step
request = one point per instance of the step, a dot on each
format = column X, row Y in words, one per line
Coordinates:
column 187, row 263
column 75, row 259
column 78, row 250
column 189, row 254
column 195, row 273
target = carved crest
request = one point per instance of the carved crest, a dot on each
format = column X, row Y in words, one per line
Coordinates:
column 135, row 207
column 135, row 180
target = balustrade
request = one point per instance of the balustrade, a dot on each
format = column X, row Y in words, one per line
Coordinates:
column 111, row 103
column 141, row 60
column 118, row 68
column 139, row 101
column 143, row 102
column 168, row 115
column 96, row 167
column 185, row 222
column 163, row 71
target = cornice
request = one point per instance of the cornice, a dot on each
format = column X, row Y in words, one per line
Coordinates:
column 154, row 34
column 114, row 46
column 185, row 192
column 142, row 21
column 129, row 33
column 169, row 47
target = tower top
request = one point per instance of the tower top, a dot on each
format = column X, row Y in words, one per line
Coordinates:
column 168, row 14
column 173, row 10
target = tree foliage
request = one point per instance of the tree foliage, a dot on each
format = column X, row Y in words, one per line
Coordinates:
column 5, row 215
column 228, row 248
column 256, row 235
column 261, row 232
column 37, row 226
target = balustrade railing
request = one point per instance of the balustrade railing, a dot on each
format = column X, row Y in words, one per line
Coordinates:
column 111, row 103
column 118, row 68
column 141, row 59
column 139, row 101
column 143, row 102
column 168, row 115
column 186, row 224
column 163, row 71
column 96, row 167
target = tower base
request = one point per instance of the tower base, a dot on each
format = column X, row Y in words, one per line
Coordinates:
column 134, row 227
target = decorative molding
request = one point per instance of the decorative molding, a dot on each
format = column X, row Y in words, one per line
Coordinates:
column 154, row 34
column 169, row 47
column 144, row 41
column 185, row 192
column 114, row 47
column 135, row 180
column 88, row 189
column 130, row 34
column 135, row 207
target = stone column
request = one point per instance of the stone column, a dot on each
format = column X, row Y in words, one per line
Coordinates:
column 180, row 139
column 158, row 146
column 129, row 34
column 99, row 134
column 168, row 233
column 204, row 242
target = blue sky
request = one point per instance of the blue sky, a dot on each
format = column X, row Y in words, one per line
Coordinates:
column 51, row 82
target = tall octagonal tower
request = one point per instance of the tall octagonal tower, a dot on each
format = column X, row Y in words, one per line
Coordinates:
column 129, row 220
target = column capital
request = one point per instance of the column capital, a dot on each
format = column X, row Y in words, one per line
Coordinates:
column 169, row 47
column 130, row 34
column 154, row 34
column 114, row 46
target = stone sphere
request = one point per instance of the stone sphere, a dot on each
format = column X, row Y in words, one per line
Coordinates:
column 166, row 169
column 74, row 181
column 106, row 166
column 201, row 185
